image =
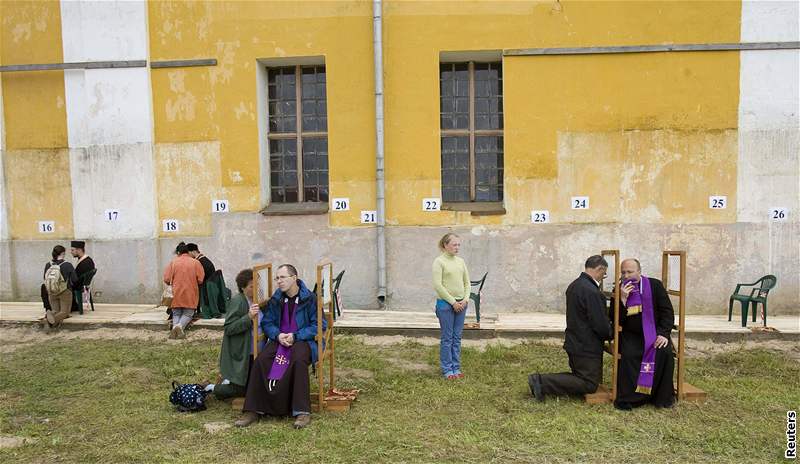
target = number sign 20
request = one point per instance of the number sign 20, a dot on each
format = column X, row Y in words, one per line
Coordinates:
column 170, row 225
column 340, row 204
column 431, row 204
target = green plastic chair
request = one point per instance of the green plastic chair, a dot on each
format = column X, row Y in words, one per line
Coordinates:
column 758, row 294
column 476, row 296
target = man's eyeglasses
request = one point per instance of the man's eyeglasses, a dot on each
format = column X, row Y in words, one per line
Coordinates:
column 279, row 278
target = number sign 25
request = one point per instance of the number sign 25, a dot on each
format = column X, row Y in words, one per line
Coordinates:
column 540, row 217
column 718, row 202
column 431, row 204
column 47, row 227
column 579, row 203
column 341, row 204
column 170, row 225
column 369, row 217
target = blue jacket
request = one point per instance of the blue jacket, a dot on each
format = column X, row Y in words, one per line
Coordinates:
column 305, row 315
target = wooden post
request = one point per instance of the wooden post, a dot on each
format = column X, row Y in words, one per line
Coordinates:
column 615, row 348
column 681, row 385
column 257, row 270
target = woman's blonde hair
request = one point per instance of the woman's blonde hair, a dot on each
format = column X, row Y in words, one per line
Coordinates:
column 446, row 239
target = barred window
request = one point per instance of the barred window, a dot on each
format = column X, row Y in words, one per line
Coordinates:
column 471, row 116
column 298, row 134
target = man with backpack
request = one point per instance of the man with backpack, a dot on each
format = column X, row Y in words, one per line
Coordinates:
column 59, row 279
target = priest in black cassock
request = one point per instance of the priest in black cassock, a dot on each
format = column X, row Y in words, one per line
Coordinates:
column 646, row 318
column 83, row 269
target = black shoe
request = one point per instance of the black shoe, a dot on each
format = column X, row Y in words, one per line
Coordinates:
column 623, row 406
column 535, row 382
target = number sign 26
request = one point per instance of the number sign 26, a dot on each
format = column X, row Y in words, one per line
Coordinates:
column 778, row 214
column 431, row 204
column 341, row 204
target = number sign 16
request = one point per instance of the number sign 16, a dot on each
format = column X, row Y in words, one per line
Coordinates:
column 579, row 203
column 540, row 217
column 718, row 202
column 111, row 215
column 170, row 225
column 47, row 227
column 778, row 214
column 369, row 217
column 431, row 204
column 341, row 204
column 219, row 206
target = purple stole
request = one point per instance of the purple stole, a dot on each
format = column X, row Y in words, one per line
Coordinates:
column 644, row 296
column 284, row 354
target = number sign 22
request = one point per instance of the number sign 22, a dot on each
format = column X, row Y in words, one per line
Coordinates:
column 431, row 204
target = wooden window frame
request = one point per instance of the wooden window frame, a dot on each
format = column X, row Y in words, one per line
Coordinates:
column 298, row 135
column 472, row 133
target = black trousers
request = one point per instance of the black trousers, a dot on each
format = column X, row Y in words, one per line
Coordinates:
column 662, row 394
column 586, row 374
column 292, row 391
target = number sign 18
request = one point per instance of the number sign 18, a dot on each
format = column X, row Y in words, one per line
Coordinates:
column 540, row 217
column 579, row 203
column 779, row 214
column 219, row 206
column 369, row 217
column 47, row 227
column 431, row 204
column 111, row 215
column 718, row 202
column 170, row 225
column 340, row 204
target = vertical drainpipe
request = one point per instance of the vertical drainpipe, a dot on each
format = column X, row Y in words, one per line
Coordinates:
column 377, row 46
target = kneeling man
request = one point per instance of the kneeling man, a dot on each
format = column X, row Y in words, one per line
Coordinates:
column 588, row 327
column 278, row 384
column 646, row 318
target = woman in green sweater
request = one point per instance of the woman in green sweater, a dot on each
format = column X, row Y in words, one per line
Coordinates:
column 451, row 282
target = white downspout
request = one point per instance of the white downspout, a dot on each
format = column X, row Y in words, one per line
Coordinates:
column 377, row 34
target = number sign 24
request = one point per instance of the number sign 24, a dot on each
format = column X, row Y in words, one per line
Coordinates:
column 579, row 203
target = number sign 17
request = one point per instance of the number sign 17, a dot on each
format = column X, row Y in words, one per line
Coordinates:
column 431, row 204
column 111, row 215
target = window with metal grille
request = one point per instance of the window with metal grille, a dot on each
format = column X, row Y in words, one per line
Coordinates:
column 298, row 134
column 471, row 115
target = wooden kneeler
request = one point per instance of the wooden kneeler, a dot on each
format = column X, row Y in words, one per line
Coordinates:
column 330, row 399
column 262, row 291
column 604, row 394
column 684, row 391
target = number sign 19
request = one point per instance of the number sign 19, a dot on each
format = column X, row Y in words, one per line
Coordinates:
column 369, row 217
column 340, row 204
column 540, row 217
column 170, row 225
column 431, row 204
column 219, row 206
column 111, row 215
column 47, row 227
column 718, row 202
column 779, row 214
column 579, row 203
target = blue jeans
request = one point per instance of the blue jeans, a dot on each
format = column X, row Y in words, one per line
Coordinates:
column 452, row 325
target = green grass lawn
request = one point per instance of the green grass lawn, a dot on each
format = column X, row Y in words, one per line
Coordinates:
column 107, row 401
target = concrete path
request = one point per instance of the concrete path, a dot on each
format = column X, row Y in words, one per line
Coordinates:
column 390, row 322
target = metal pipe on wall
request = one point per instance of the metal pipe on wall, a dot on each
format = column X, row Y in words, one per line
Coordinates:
column 377, row 39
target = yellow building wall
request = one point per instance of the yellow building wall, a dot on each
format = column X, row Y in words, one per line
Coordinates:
column 35, row 120
column 685, row 105
column 220, row 102
column 38, row 188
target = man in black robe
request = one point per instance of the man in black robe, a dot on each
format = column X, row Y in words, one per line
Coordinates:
column 208, row 266
column 588, row 327
column 644, row 376
column 83, row 269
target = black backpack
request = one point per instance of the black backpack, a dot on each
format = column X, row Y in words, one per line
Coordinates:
column 188, row 397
